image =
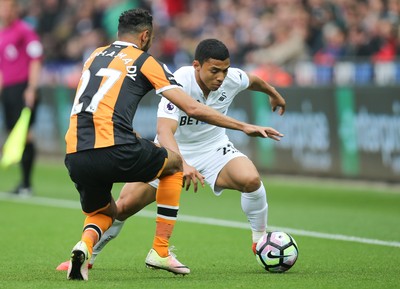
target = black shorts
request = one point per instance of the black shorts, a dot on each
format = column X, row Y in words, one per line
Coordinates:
column 12, row 98
column 95, row 171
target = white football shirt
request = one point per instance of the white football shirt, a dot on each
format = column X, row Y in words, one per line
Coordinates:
column 192, row 134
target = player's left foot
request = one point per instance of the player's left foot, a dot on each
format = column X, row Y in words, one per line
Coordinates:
column 78, row 265
column 65, row 265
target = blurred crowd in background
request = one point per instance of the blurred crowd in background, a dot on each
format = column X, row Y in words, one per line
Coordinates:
column 286, row 42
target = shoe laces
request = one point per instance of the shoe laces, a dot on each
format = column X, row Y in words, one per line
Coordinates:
column 171, row 250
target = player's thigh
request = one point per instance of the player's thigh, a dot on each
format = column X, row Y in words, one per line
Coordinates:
column 95, row 171
column 173, row 165
column 239, row 174
column 140, row 162
column 133, row 198
column 94, row 189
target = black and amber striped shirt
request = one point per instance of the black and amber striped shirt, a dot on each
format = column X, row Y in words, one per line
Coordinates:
column 114, row 80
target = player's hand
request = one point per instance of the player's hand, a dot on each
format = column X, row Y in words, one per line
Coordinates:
column 278, row 101
column 259, row 131
column 191, row 175
column 29, row 97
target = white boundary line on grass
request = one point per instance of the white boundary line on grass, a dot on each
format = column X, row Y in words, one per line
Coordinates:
column 201, row 220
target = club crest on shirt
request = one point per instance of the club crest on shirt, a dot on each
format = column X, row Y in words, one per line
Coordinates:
column 169, row 107
column 223, row 96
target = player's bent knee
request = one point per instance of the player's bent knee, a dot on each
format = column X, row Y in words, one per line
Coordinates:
column 251, row 184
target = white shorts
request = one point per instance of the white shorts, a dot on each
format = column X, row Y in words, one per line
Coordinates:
column 210, row 163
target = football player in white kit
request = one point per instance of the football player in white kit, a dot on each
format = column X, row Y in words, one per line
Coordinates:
column 207, row 153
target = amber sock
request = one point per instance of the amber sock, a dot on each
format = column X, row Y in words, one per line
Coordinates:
column 94, row 227
column 161, row 239
column 167, row 198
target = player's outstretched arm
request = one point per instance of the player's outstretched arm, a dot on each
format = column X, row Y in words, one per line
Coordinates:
column 207, row 114
column 276, row 100
column 260, row 131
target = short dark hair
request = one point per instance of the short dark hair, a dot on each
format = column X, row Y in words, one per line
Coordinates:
column 135, row 21
column 210, row 48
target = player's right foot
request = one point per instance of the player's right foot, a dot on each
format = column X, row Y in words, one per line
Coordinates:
column 78, row 265
column 169, row 263
column 92, row 259
column 253, row 248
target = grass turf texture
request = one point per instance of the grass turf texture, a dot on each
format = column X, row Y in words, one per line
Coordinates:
column 35, row 238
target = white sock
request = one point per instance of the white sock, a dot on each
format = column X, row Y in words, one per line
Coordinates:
column 255, row 206
column 107, row 236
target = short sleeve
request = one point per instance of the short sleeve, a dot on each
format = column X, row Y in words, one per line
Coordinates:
column 159, row 75
column 34, row 48
column 167, row 109
column 240, row 77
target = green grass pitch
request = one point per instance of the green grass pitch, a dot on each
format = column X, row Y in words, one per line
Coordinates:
column 348, row 237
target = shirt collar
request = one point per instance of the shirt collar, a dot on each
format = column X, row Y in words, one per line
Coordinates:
column 124, row 43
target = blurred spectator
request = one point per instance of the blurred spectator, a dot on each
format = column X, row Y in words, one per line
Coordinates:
column 288, row 39
column 386, row 41
column 358, row 43
column 334, row 45
column 321, row 12
column 49, row 30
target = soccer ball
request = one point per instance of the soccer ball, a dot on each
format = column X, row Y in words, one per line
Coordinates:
column 276, row 252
